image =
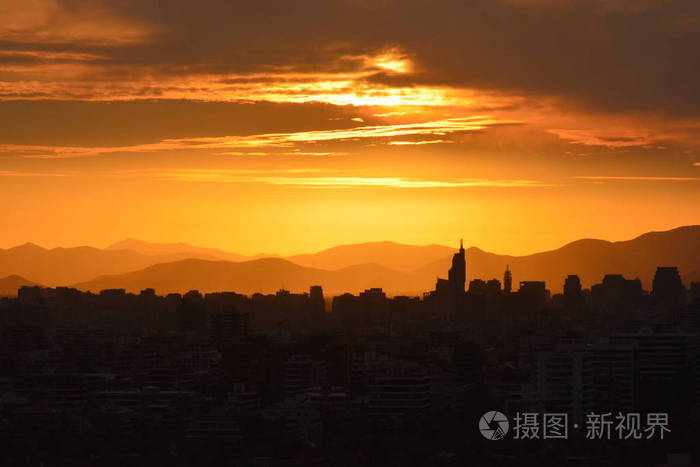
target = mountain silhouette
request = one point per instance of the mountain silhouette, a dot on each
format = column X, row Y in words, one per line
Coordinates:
column 175, row 249
column 396, row 256
column 265, row 275
column 590, row 259
column 10, row 284
column 348, row 268
column 62, row 266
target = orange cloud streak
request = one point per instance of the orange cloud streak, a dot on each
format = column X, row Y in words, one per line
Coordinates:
column 382, row 132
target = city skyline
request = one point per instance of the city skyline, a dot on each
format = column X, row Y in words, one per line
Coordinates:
column 396, row 268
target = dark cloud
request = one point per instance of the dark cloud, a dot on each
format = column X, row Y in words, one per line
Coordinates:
column 139, row 122
column 620, row 55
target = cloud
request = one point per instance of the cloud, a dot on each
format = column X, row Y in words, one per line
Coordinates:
column 283, row 154
column 13, row 173
column 639, row 178
column 418, row 143
column 607, row 138
column 77, row 79
column 88, row 23
column 618, row 55
column 93, row 124
column 238, row 176
column 438, row 128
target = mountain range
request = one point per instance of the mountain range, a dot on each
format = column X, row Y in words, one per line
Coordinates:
column 10, row 284
column 65, row 266
column 266, row 275
column 177, row 249
column 398, row 268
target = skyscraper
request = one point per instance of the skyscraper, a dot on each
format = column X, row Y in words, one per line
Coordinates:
column 507, row 281
column 458, row 272
column 450, row 293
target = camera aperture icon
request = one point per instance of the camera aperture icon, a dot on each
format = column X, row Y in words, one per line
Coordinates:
column 493, row 425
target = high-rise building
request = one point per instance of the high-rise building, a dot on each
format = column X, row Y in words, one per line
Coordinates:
column 533, row 295
column 228, row 325
column 695, row 292
column 316, row 295
column 572, row 286
column 477, row 286
column 404, row 393
column 692, row 315
column 449, row 294
column 667, row 289
column 661, row 356
column 375, row 306
column 617, row 294
column 564, row 381
column 573, row 293
column 507, row 281
column 302, row 372
column 458, row 272
column 614, row 370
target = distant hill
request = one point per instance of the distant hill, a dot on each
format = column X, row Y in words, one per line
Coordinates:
column 62, row 266
column 395, row 267
column 392, row 255
column 10, row 284
column 590, row 259
column 266, row 275
column 180, row 249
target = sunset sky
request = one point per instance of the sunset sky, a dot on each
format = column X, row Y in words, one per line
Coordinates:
column 292, row 126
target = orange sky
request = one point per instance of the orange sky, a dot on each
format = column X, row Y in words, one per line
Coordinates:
column 280, row 128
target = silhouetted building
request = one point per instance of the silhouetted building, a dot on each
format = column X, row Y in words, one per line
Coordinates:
column 507, row 281
column 375, row 307
column 532, row 295
column 477, row 286
column 664, row 369
column 318, row 305
column 275, row 374
column 564, row 381
column 450, row 293
column 228, row 325
column 192, row 312
column 695, row 292
column 404, row 393
column 617, row 294
column 346, row 308
column 572, row 286
column 302, row 372
column 457, row 274
column 573, row 294
column 493, row 287
column 614, row 372
column 668, row 290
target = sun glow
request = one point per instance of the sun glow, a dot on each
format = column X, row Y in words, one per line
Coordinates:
column 392, row 61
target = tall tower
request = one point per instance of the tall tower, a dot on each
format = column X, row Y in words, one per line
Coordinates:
column 457, row 275
column 507, row 281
